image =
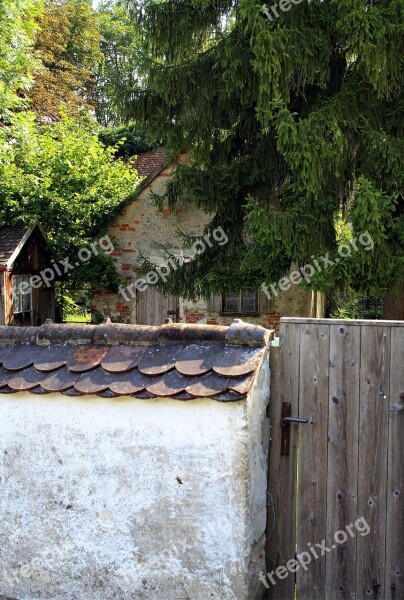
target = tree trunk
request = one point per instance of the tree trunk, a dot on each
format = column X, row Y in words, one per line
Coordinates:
column 393, row 308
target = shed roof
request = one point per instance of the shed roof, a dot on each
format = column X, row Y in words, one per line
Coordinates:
column 12, row 241
column 10, row 238
column 174, row 360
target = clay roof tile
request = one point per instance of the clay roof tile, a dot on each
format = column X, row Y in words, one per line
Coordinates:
column 175, row 360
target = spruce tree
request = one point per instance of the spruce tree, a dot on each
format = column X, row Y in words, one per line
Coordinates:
column 291, row 111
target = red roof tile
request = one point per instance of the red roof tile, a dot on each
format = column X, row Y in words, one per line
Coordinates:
column 175, row 360
column 147, row 162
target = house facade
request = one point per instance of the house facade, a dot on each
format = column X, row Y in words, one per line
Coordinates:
column 142, row 230
column 25, row 299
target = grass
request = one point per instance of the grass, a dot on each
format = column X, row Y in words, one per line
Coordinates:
column 77, row 318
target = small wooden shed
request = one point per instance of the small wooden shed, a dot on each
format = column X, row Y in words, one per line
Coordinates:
column 26, row 298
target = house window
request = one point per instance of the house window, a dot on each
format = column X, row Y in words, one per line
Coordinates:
column 22, row 294
column 244, row 302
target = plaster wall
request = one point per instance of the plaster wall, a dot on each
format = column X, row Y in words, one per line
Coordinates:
column 106, row 498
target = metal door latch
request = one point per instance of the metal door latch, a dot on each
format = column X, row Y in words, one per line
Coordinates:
column 286, row 420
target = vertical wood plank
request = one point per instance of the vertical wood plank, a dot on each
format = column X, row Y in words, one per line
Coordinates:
column 312, row 457
column 394, row 582
column 2, row 295
column 282, row 469
column 373, row 448
column 140, row 308
column 343, row 431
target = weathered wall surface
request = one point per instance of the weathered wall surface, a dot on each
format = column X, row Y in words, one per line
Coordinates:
column 296, row 302
column 105, row 498
column 142, row 230
column 257, row 452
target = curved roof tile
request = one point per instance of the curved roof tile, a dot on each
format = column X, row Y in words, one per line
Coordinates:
column 175, row 360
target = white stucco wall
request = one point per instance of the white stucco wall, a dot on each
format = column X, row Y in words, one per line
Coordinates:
column 128, row 498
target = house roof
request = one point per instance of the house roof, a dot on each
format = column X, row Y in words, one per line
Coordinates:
column 174, row 360
column 149, row 161
column 12, row 240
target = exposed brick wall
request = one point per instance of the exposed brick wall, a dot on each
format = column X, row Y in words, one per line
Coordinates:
column 142, row 230
column 194, row 316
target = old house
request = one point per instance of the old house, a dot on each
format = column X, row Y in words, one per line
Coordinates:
column 144, row 471
column 141, row 230
column 25, row 298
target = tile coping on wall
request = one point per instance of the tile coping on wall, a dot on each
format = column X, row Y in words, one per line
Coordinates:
column 181, row 361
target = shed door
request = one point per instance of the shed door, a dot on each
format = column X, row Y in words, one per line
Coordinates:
column 152, row 308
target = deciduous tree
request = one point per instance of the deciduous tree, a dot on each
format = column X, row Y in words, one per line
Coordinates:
column 68, row 45
column 63, row 176
column 118, row 77
column 17, row 32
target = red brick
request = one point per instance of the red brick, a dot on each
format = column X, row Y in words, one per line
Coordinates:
column 193, row 316
column 273, row 320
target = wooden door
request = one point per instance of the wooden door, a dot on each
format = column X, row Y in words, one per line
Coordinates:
column 152, row 308
column 337, row 500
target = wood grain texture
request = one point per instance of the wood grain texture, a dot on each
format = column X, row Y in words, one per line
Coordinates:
column 152, row 307
column 284, row 363
column 394, row 582
column 373, row 449
column 312, row 457
column 356, row 322
column 342, row 486
column 347, row 378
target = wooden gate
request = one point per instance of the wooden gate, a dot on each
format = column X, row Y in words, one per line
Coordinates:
column 346, row 463
column 152, row 308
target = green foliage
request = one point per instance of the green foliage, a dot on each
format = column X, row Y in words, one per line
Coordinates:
column 60, row 173
column 74, row 305
column 68, row 46
column 17, row 32
column 292, row 124
column 118, row 76
column 353, row 305
column 63, row 176
column 128, row 140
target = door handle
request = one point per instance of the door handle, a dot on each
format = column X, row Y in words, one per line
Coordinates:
column 286, row 420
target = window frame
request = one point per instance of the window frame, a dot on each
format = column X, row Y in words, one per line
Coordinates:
column 20, row 296
column 239, row 310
